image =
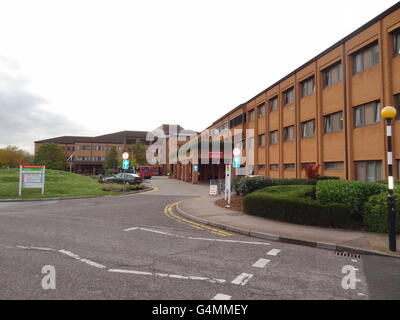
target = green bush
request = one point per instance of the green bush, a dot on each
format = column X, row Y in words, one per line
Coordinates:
column 295, row 204
column 375, row 214
column 244, row 186
column 353, row 194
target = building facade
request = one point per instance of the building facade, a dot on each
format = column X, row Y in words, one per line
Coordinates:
column 327, row 112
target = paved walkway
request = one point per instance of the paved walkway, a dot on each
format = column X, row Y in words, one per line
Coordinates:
column 205, row 210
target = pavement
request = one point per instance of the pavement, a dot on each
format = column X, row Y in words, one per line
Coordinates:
column 203, row 209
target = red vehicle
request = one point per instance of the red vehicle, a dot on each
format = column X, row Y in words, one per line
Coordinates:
column 146, row 172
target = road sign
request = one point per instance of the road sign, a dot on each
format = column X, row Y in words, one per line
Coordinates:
column 213, row 190
column 125, row 156
column 196, row 168
column 236, row 152
column 31, row 177
column 236, row 162
column 125, row 164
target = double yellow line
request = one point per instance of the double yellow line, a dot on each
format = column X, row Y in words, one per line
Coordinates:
column 169, row 213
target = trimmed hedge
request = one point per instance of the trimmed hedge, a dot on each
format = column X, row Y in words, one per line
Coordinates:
column 376, row 213
column 352, row 194
column 295, row 204
column 245, row 186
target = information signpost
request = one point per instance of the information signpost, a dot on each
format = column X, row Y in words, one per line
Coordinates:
column 31, row 177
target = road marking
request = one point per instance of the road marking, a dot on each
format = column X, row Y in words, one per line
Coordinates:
column 261, row 263
column 221, row 296
column 174, row 276
column 196, row 238
column 354, row 260
column 87, row 261
column 168, row 212
column 360, row 294
column 273, row 252
column 242, row 279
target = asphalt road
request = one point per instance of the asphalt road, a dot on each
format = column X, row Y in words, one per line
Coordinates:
column 127, row 247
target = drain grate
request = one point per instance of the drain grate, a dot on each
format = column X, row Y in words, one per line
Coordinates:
column 348, row 254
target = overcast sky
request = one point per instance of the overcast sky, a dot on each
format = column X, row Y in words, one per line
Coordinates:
column 96, row 67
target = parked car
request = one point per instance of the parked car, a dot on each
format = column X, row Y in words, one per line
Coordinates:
column 128, row 178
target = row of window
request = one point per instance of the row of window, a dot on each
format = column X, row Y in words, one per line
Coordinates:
column 365, row 170
column 90, row 158
column 98, row 148
column 363, row 59
column 363, row 115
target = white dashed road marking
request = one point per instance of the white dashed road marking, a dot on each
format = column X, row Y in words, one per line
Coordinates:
column 194, row 238
column 273, row 252
column 242, row 279
column 221, row 296
column 261, row 263
column 87, row 261
column 175, row 276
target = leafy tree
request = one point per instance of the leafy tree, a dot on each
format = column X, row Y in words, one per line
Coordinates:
column 12, row 157
column 111, row 161
column 52, row 156
column 139, row 153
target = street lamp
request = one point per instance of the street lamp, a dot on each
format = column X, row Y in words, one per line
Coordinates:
column 389, row 113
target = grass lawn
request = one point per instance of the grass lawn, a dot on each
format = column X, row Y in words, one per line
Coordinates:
column 58, row 184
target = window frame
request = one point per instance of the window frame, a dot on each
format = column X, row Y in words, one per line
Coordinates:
column 305, row 123
column 272, row 106
column 329, row 70
column 396, row 43
column 377, row 176
column 286, row 135
column 375, row 60
column 331, row 118
column 272, row 134
column 305, row 87
column 260, row 107
column 286, row 95
column 261, row 140
column 360, row 115
column 341, row 167
column 291, row 168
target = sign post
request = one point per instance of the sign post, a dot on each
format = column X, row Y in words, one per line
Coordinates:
column 125, row 165
column 31, row 177
column 228, row 185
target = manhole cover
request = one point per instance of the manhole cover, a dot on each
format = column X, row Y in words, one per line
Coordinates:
column 348, row 254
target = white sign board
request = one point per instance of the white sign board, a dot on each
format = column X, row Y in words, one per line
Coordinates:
column 213, row 190
column 31, row 177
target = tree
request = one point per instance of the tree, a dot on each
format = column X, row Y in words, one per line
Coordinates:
column 139, row 152
column 111, row 161
column 12, row 157
column 52, row 156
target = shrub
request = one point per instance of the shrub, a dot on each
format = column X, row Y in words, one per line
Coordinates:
column 295, row 204
column 312, row 171
column 328, row 178
column 244, row 186
column 353, row 194
column 375, row 214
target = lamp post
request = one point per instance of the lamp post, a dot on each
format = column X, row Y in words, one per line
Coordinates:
column 389, row 113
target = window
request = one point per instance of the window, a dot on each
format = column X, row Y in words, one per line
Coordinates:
column 84, row 148
column 308, row 129
column 307, row 87
column 397, row 105
column 261, row 167
column 273, row 104
column 289, row 133
column 261, row 110
column 338, row 165
column 368, row 170
column 288, row 96
column 333, row 122
column 274, row 167
column 290, row 166
column 100, row 148
column 332, row 75
column 71, row 148
column 367, row 114
column 273, row 137
column 261, row 140
column 251, row 115
column 237, row 120
column 250, row 143
column 398, row 169
column 396, row 43
column 366, row 58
